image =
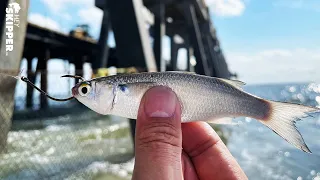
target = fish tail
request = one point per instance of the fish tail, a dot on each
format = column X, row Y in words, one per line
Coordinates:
column 282, row 118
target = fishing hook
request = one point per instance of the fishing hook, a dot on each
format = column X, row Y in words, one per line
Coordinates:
column 25, row 79
column 74, row 76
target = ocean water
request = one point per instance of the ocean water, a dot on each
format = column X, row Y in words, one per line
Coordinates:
column 84, row 145
column 263, row 154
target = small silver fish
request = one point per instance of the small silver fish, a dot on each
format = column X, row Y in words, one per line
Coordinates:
column 202, row 98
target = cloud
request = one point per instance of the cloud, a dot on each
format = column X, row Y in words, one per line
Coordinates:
column 54, row 6
column 66, row 16
column 62, row 7
column 85, row 9
column 43, row 21
column 93, row 17
column 276, row 65
column 57, row 6
column 226, row 8
column 272, row 53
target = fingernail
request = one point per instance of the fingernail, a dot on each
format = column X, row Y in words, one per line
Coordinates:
column 160, row 102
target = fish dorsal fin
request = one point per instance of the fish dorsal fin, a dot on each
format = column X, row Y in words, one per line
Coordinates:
column 185, row 72
column 236, row 83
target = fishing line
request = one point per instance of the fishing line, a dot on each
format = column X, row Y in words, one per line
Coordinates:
column 16, row 77
column 25, row 79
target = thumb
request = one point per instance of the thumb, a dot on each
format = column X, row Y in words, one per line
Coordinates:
column 158, row 136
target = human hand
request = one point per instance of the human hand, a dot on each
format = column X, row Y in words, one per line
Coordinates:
column 166, row 149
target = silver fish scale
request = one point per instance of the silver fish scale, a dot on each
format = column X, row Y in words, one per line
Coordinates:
column 201, row 97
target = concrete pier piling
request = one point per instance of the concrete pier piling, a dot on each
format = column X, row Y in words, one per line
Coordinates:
column 159, row 32
column 10, row 61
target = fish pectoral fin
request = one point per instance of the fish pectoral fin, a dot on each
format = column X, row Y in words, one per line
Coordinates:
column 224, row 120
column 236, row 83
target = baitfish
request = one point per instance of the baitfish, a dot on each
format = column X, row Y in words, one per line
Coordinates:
column 202, row 98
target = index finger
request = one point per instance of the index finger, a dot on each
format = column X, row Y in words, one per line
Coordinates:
column 208, row 153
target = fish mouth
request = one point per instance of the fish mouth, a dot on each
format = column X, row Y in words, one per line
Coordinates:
column 74, row 91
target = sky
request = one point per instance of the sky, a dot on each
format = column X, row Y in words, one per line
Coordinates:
column 273, row 41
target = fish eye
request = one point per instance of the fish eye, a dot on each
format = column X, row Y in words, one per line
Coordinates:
column 84, row 89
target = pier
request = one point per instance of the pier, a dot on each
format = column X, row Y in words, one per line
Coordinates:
column 139, row 48
column 186, row 23
column 189, row 21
